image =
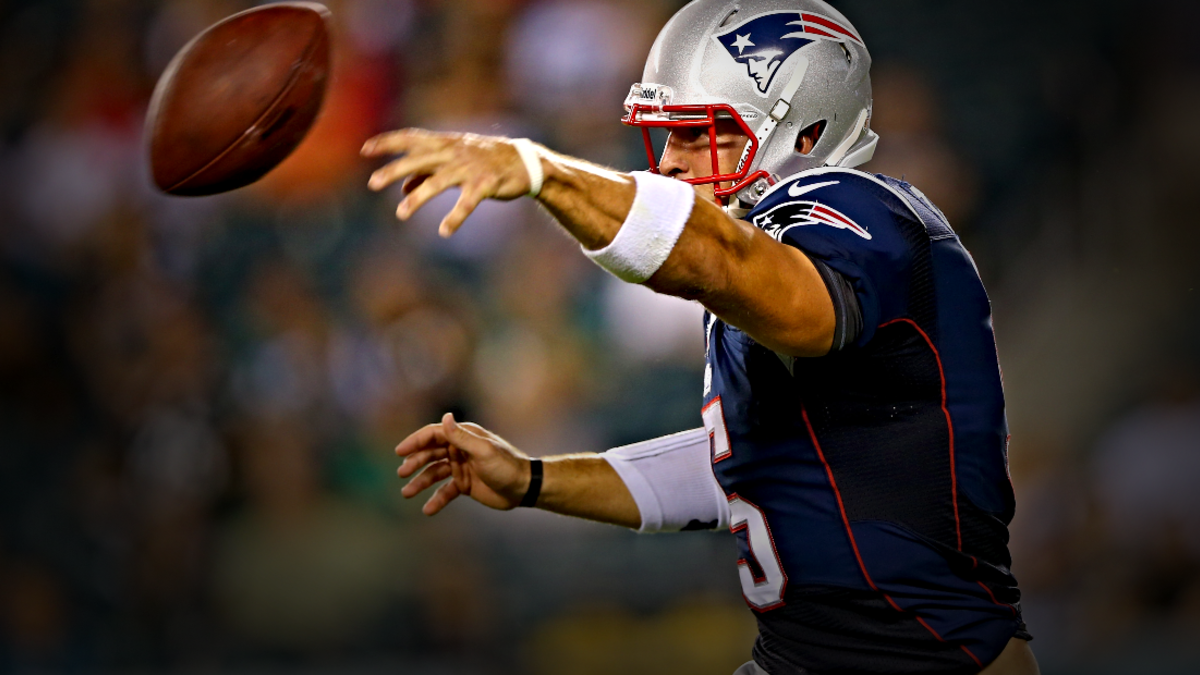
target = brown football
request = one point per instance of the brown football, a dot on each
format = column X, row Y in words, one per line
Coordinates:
column 238, row 98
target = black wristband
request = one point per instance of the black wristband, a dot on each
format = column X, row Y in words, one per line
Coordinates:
column 535, row 484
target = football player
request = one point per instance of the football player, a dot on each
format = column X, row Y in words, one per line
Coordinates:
column 854, row 434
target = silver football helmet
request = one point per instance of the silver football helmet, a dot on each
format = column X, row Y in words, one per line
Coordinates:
column 775, row 67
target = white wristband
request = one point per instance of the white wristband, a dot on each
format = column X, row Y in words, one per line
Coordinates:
column 660, row 211
column 671, row 481
column 533, row 163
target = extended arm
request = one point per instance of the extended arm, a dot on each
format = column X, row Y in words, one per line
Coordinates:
column 658, row 485
column 770, row 290
column 488, row 469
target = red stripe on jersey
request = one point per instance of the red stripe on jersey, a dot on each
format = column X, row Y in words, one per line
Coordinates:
column 993, row 595
column 838, row 494
column 931, row 630
column 850, row 533
column 949, row 422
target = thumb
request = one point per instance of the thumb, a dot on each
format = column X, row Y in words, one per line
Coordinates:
column 460, row 437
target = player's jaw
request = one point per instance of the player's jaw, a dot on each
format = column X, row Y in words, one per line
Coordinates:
column 688, row 155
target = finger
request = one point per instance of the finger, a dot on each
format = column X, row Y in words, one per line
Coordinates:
column 472, row 429
column 395, row 142
column 469, row 428
column 458, row 471
column 462, row 437
column 413, row 163
column 476, row 430
column 456, row 458
column 467, row 202
column 441, row 497
column 413, row 182
column 430, row 435
column 431, row 187
column 431, row 474
column 421, row 458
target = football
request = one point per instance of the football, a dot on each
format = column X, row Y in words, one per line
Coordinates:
column 238, row 98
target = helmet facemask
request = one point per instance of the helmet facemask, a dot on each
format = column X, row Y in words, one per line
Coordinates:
column 648, row 106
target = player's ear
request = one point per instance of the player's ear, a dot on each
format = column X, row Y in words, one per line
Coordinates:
column 807, row 139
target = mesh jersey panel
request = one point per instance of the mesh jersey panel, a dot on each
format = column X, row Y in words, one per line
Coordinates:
column 819, row 627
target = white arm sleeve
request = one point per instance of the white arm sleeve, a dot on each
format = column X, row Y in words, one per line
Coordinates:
column 671, row 480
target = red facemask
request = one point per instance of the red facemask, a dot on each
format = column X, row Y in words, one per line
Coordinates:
column 647, row 116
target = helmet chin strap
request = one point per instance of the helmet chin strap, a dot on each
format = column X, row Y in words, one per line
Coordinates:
column 845, row 154
column 778, row 111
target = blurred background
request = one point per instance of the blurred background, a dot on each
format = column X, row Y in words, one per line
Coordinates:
column 199, row 397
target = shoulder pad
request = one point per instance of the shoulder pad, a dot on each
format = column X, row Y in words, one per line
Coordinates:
column 845, row 199
column 855, row 223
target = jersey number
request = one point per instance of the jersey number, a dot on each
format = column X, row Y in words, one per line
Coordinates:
column 762, row 576
column 763, row 589
column 718, row 437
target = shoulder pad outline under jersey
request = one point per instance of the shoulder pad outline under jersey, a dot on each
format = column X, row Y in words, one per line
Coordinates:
column 794, row 179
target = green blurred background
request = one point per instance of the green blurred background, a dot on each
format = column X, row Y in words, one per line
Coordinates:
column 199, row 397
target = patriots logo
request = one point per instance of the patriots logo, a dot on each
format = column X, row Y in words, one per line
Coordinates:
column 779, row 219
column 764, row 42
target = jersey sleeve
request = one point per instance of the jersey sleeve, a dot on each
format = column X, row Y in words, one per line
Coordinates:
column 853, row 224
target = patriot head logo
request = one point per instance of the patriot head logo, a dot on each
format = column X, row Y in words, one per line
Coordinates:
column 764, row 42
column 777, row 220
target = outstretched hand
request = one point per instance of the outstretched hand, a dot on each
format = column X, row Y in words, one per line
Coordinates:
column 483, row 166
column 482, row 466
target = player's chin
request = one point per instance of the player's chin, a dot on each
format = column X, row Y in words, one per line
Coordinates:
column 706, row 191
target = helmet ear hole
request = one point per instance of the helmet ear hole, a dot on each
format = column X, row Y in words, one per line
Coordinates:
column 846, row 51
column 807, row 139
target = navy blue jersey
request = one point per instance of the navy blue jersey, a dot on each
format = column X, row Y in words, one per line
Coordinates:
column 869, row 488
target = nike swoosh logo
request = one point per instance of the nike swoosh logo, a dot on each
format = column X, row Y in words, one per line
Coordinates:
column 797, row 190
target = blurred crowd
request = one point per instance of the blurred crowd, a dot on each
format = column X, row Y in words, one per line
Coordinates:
column 199, row 397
